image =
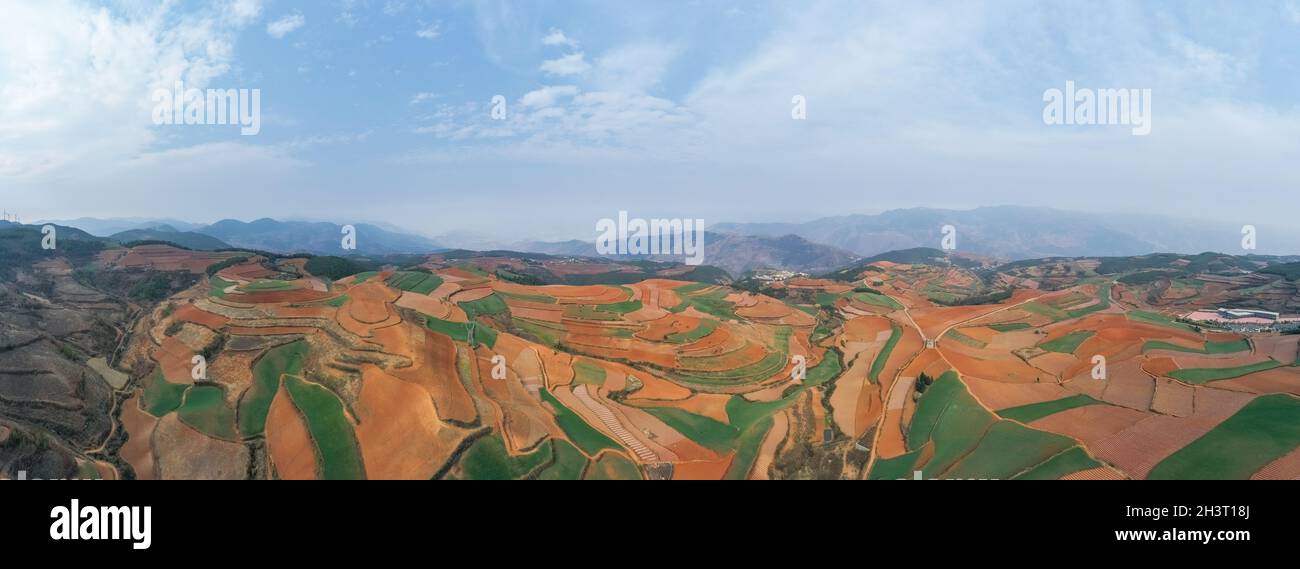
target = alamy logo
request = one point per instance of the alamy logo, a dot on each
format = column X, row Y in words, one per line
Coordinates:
column 76, row 522
column 636, row 236
column 1099, row 107
column 181, row 106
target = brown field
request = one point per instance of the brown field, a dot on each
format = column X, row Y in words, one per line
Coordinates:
column 186, row 454
column 175, row 358
column 166, row 258
column 1091, row 424
column 398, row 429
column 1137, row 449
column 288, row 442
column 414, row 403
column 1285, row 468
column 189, row 313
column 138, row 450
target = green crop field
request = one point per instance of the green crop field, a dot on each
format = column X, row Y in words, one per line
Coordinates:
column 715, row 436
column 956, row 336
column 747, row 449
column 1074, row 460
column 1208, row 374
column 1261, row 432
column 206, row 411
column 568, row 463
column 970, row 442
column 219, row 286
column 713, row 303
column 459, row 331
column 585, row 436
column 1035, row 411
column 1157, row 319
column 620, row 307
column 547, row 333
column 417, row 282
column 1008, row 449
column 487, row 459
column 613, row 467
column 743, row 414
column 587, row 372
column 486, row 306
column 1228, row 347
column 161, row 396
column 1068, row 343
column 267, row 286
column 705, row 328
column 338, row 455
column 878, row 365
column 256, row 402
column 1011, row 326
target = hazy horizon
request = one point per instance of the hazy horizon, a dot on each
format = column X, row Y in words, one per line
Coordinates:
column 382, row 110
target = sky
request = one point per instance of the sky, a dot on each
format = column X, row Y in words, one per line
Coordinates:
column 382, row 110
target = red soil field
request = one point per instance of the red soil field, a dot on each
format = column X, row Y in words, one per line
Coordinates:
column 190, row 313
column 167, row 258
column 1002, row 395
column 288, row 442
column 1287, row 467
column 1094, row 474
column 1090, row 424
column 1139, row 448
column 398, row 429
column 425, row 305
column 138, row 452
column 176, row 360
column 524, row 422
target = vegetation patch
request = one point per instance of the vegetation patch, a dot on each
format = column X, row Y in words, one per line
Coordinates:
column 1035, row 411
column 338, row 455
column 460, row 331
column 896, row 334
column 487, row 459
column 1205, row 375
column 1073, row 460
column 161, row 396
column 1068, row 343
column 585, row 436
column 1261, row 432
column 705, row 328
column 205, row 409
column 256, row 402
column 1228, row 347
column 715, row 436
column 613, row 467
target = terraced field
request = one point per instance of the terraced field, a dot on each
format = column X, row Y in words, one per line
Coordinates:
column 439, row 371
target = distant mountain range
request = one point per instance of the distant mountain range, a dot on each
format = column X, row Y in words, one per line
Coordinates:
column 736, row 254
column 266, row 234
column 1004, row 232
column 107, row 227
column 321, row 238
column 189, row 239
column 1014, row 232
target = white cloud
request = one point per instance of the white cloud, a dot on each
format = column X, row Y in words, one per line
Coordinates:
column 423, row 97
column 76, row 81
column 556, row 37
column 244, row 12
column 547, row 96
column 636, row 67
column 572, row 64
column 430, row 32
column 285, row 25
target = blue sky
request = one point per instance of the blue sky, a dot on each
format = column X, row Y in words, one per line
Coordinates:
column 380, row 110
